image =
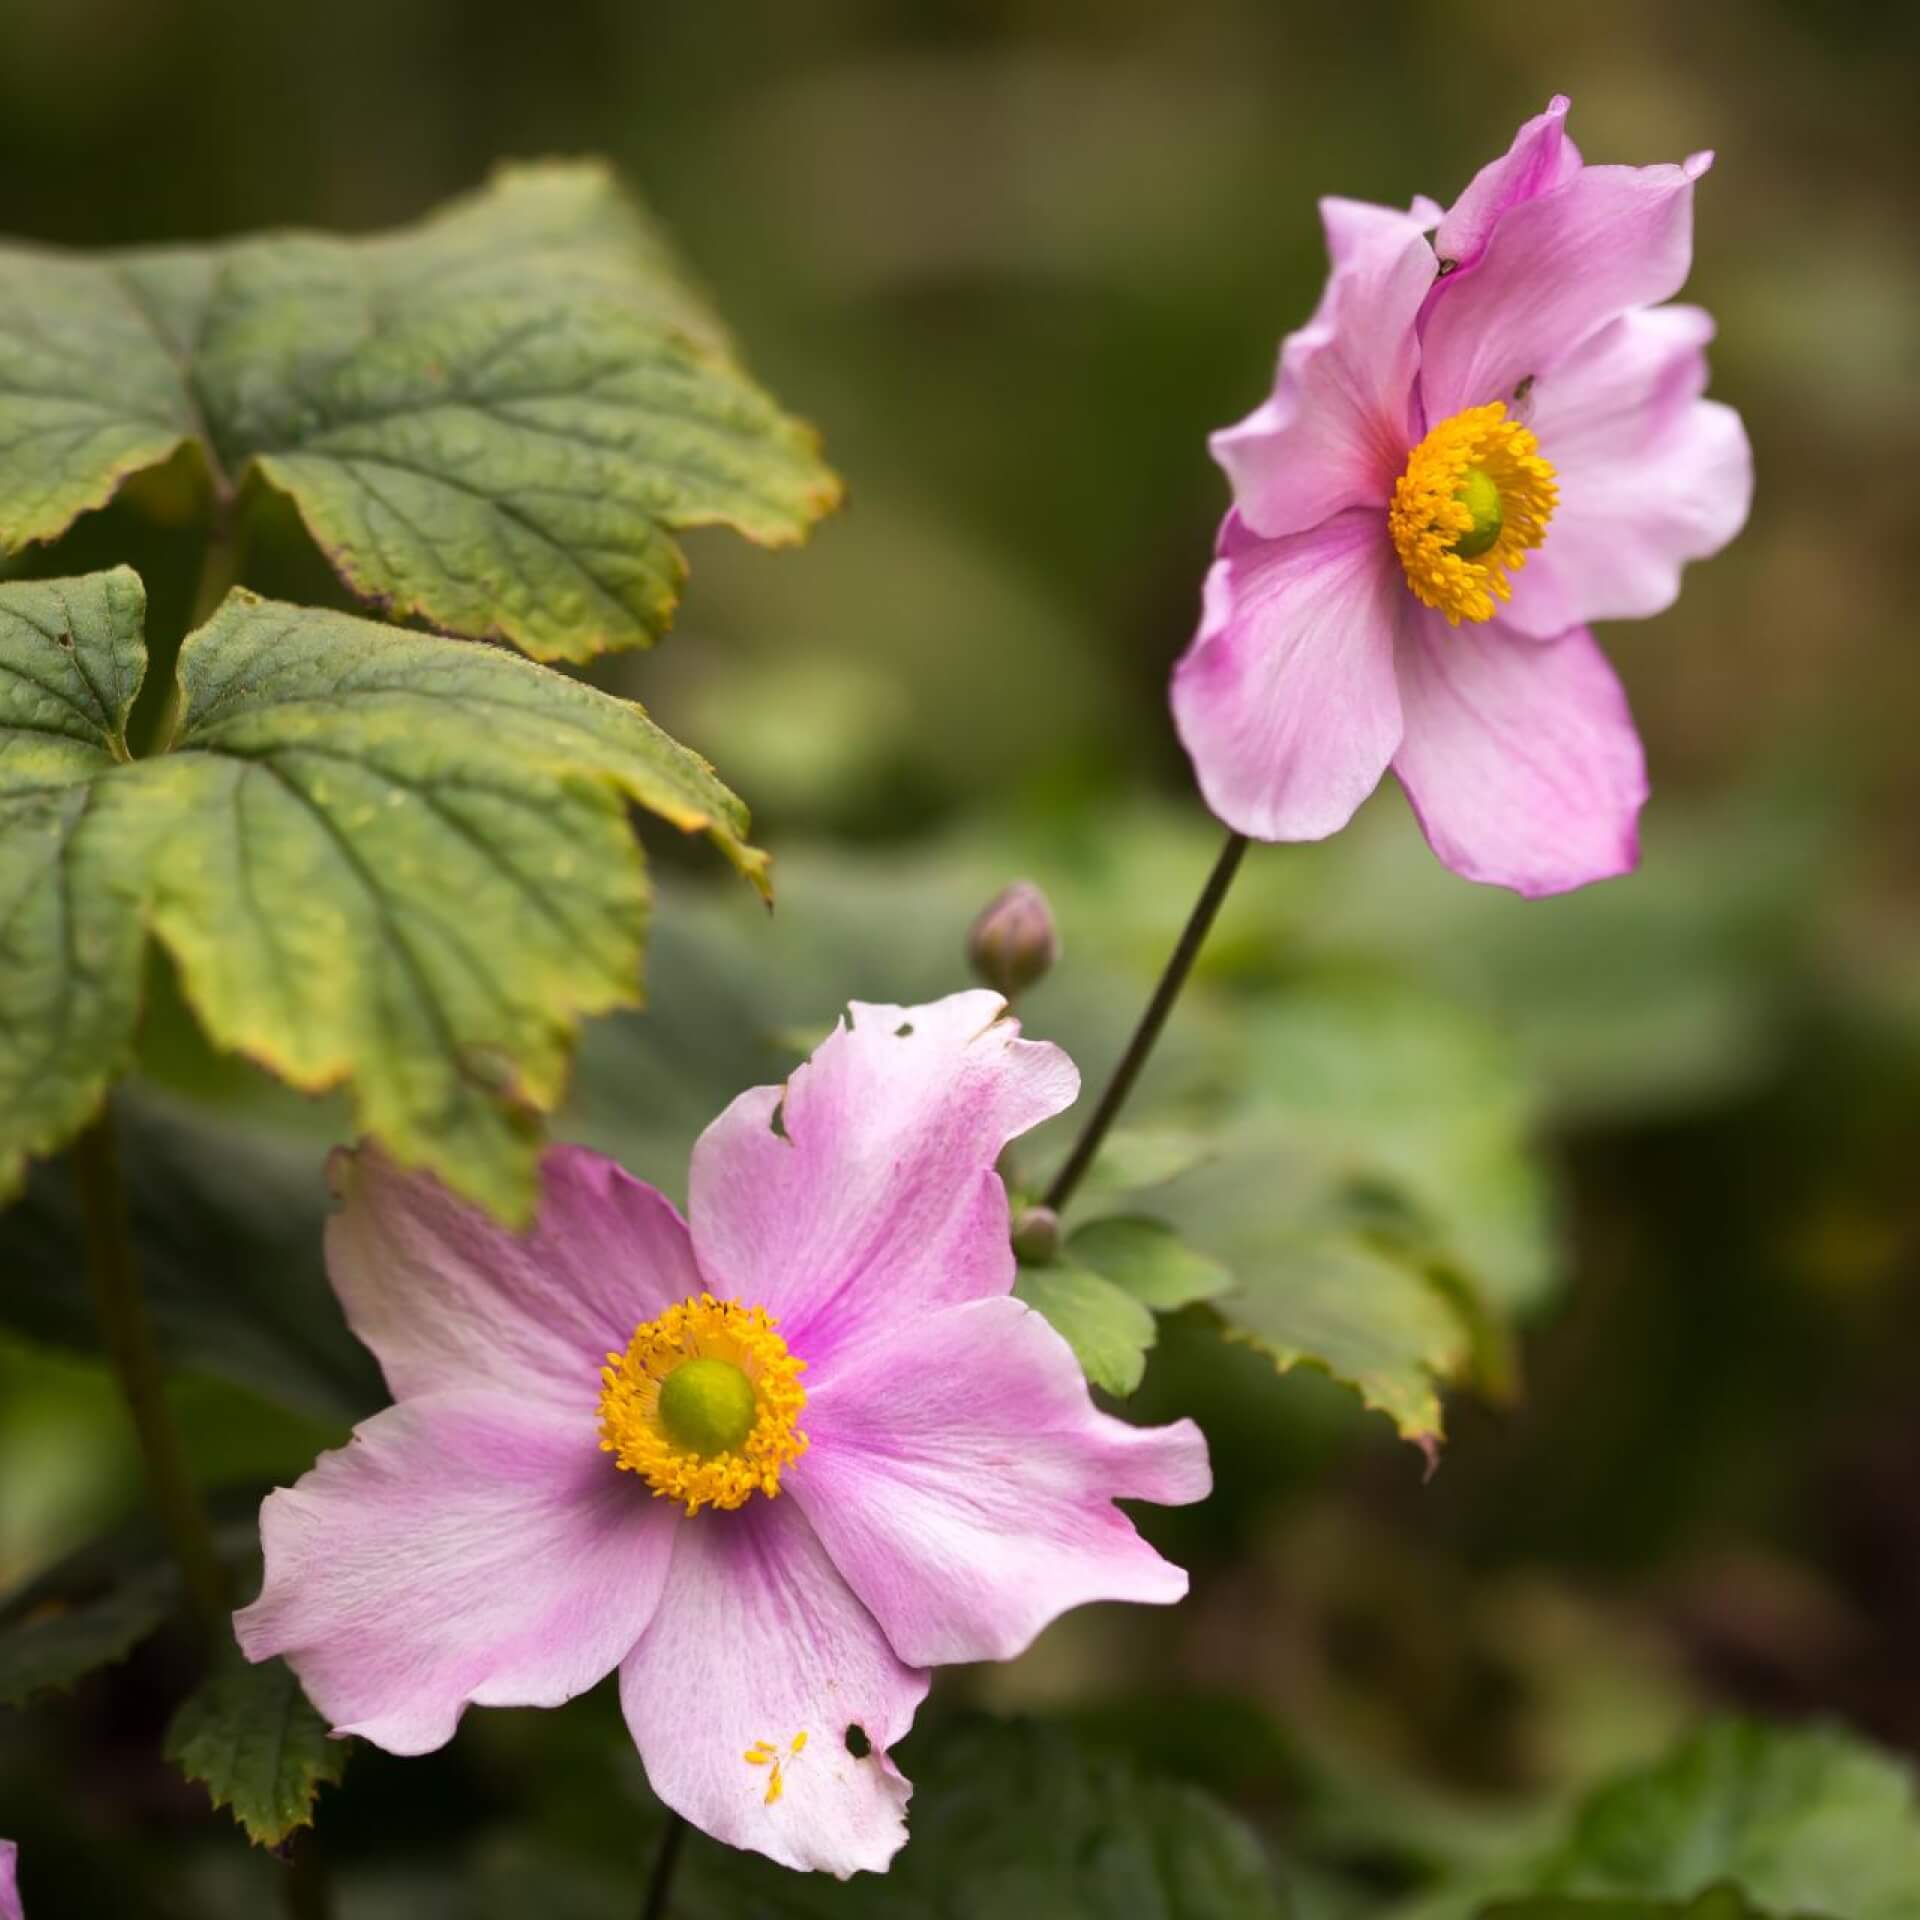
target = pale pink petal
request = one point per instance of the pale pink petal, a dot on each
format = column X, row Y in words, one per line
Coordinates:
column 1650, row 475
column 446, row 1297
column 758, row 1639
column 963, row 1481
column 1520, row 758
column 1336, row 430
column 9, row 1886
column 876, row 1198
column 462, row 1548
column 1556, row 269
column 1540, row 159
column 1286, row 700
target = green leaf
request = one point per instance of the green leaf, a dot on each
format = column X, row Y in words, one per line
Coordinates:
column 377, row 858
column 252, row 1739
column 1148, row 1260
column 1417, row 1122
column 1801, row 1820
column 1107, row 1328
column 1358, row 1314
column 47, row 1644
column 1717, row 1903
column 1797, row 1821
column 495, row 421
column 1110, row 1280
column 71, row 658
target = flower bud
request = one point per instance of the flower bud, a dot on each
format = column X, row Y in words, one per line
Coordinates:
column 1014, row 943
column 1036, row 1237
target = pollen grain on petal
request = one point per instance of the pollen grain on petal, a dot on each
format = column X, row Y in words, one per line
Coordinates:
column 1474, row 500
column 726, row 1441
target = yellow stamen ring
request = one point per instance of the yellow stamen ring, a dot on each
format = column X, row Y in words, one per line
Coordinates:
column 1475, row 499
column 704, row 1404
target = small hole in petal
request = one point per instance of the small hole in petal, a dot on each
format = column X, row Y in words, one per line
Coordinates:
column 857, row 1742
column 903, row 1029
column 777, row 1124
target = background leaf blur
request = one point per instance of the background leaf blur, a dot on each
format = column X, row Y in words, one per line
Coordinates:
column 1638, row 1162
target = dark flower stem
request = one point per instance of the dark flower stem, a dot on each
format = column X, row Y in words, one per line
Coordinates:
column 1193, row 937
column 308, row 1888
column 128, row 1334
column 660, row 1883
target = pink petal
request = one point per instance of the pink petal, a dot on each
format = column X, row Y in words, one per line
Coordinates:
column 878, row 1197
column 1520, row 759
column 461, row 1548
column 759, row 1640
column 1540, row 159
column 447, row 1298
column 9, row 1889
column 1286, row 700
column 1556, row 269
column 1651, row 476
column 1336, row 431
column 963, row 1481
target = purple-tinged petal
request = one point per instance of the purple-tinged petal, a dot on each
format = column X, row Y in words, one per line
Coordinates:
column 1336, row 430
column 1540, row 159
column 757, row 1643
column 1650, row 475
column 447, row 1298
column 1556, row 269
column 1286, row 700
column 963, row 1481
column 9, row 1884
column 877, row 1198
column 462, row 1548
column 1520, row 758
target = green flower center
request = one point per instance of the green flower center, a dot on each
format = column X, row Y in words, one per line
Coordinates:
column 708, row 1406
column 1481, row 498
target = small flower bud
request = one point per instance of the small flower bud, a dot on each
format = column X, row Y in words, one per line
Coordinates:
column 1036, row 1237
column 1014, row 943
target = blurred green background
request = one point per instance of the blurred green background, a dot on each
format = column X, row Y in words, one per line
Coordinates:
column 1016, row 260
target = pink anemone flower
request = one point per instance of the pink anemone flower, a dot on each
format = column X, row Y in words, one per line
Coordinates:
column 1479, row 443
column 9, row 1883
column 772, row 1461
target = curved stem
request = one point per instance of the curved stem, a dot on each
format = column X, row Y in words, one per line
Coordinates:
column 660, row 1882
column 1192, row 938
column 136, row 1364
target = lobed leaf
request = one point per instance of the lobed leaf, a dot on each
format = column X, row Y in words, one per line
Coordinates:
column 496, row 421
column 71, row 660
column 378, row 859
column 1359, row 1314
column 253, row 1740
